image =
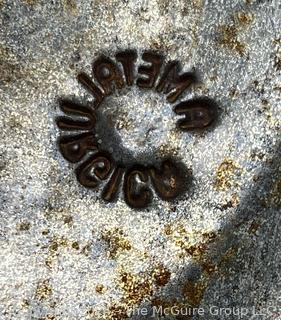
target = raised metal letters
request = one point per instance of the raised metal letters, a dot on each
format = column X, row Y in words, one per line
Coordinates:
column 199, row 113
column 97, row 167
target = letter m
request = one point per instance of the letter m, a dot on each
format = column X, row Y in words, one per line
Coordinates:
column 173, row 83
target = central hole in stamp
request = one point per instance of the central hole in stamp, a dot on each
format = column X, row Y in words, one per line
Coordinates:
column 143, row 119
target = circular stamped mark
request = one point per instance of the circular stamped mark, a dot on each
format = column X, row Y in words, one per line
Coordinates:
column 98, row 167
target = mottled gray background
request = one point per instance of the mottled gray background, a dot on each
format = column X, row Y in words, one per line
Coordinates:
column 65, row 253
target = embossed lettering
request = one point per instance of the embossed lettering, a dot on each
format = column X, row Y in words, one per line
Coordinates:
column 150, row 72
column 199, row 113
column 128, row 59
column 74, row 148
column 72, row 108
column 107, row 73
column 112, row 187
column 136, row 192
column 89, row 85
column 168, row 181
column 173, row 83
column 97, row 168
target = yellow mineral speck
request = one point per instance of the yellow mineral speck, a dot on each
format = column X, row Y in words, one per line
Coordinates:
column 135, row 287
column 75, row 245
column 228, row 256
column 255, row 225
column 274, row 197
column 54, row 246
column 117, row 242
column 168, row 149
column 68, row 219
column 56, row 243
column 266, row 110
column 30, row 2
column 229, row 34
column 100, row 288
column 168, row 230
column 161, row 276
column 229, row 39
column 225, row 174
column 49, row 317
column 193, row 243
column 194, row 291
column 25, row 304
column 117, row 312
column 70, row 6
column 235, row 200
column 44, row 290
column 24, row 226
column 244, row 18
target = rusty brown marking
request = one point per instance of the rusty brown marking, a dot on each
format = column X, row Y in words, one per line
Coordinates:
column 135, row 181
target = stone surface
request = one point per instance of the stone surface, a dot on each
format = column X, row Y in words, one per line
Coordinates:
column 65, row 254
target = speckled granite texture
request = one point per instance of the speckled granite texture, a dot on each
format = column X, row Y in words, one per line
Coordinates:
column 64, row 253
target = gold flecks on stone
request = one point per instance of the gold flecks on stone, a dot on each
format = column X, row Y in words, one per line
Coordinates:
column 194, row 291
column 117, row 312
column 45, row 232
column 255, row 225
column 274, row 197
column 70, row 6
column 229, row 34
column 44, row 290
column 24, row 226
column 116, row 241
column 55, row 245
column 266, row 110
column 138, row 287
column 243, row 18
column 161, row 276
column 100, row 288
column 191, row 242
column 233, row 202
column 160, row 43
column 25, row 304
column 75, row 245
column 135, row 288
column 227, row 257
column 68, row 219
column 225, row 174
column 48, row 317
column 229, row 39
